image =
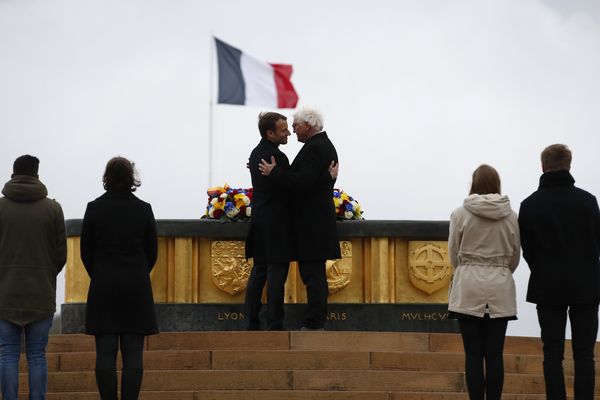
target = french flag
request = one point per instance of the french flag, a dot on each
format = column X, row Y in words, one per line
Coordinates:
column 245, row 80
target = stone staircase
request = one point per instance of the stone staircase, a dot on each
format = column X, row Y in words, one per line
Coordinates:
column 298, row 366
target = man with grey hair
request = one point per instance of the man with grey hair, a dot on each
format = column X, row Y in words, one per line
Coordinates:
column 315, row 221
column 560, row 237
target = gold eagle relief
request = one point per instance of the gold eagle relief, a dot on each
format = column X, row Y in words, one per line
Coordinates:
column 429, row 267
column 230, row 269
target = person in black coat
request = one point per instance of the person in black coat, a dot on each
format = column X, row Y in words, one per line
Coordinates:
column 118, row 250
column 560, row 237
column 314, row 216
column 269, row 241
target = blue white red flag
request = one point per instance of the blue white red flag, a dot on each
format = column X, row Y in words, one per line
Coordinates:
column 245, row 80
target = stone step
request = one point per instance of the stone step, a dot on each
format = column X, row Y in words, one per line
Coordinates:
column 290, row 360
column 296, row 365
column 68, row 343
column 359, row 341
column 182, row 380
column 406, row 381
column 296, row 340
column 290, row 395
column 156, row 395
column 153, row 360
column 452, row 342
column 297, row 360
column 513, row 363
column 443, row 342
column 464, row 396
column 331, row 380
column 255, row 340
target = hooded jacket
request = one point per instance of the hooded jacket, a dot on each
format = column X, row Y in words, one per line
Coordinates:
column 33, row 250
column 484, row 248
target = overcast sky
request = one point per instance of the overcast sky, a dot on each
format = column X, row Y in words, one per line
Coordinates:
column 415, row 94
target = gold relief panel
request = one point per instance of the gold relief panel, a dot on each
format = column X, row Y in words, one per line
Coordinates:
column 429, row 267
column 339, row 271
column 229, row 267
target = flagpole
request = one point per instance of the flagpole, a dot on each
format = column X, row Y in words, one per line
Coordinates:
column 210, row 109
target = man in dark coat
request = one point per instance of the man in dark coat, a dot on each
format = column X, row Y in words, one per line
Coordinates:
column 269, row 241
column 33, row 250
column 314, row 217
column 560, row 237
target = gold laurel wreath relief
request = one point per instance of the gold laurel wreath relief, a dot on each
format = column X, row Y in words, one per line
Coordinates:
column 429, row 267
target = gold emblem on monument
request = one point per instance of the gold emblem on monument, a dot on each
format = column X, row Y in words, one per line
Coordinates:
column 230, row 270
column 339, row 271
column 429, row 268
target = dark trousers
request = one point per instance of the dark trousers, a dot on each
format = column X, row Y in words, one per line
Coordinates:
column 314, row 277
column 483, row 340
column 584, row 329
column 275, row 276
column 132, row 347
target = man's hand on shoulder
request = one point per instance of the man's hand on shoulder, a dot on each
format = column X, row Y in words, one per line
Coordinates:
column 334, row 169
column 265, row 168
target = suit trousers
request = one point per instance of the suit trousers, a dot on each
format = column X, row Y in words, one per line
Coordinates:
column 584, row 329
column 274, row 275
column 314, row 277
column 483, row 340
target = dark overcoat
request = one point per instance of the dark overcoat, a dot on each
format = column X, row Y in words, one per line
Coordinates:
column 560, row 237
column 313, row 209
column 118, row 250
column 270, row 239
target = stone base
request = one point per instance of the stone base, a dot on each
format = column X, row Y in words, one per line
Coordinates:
column 341, row 317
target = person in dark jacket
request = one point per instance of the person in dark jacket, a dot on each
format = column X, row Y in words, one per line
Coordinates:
column 118, row 250
column 560, row 236
column 315, row 221
column 33, row 250
column 269, row 241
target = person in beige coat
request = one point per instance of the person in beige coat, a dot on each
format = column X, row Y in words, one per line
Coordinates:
column 484, row 249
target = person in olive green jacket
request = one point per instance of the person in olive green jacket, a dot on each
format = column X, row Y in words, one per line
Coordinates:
column 33, row 250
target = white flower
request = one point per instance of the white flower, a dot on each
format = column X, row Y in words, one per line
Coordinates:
column 248, row 211
column 213, row 201
column 348, row 214
column 211, row 212
column 223, row 195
